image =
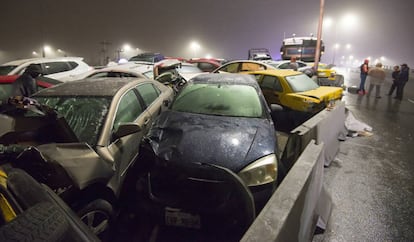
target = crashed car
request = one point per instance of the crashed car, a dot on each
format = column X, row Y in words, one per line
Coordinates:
column 212, row 155
column 175, row 73
column 327, row 75
column 80, row 138
column 294, row 90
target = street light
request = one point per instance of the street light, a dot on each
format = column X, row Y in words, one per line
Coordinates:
column 63, row 53
column 46, row 48
column 195, row 46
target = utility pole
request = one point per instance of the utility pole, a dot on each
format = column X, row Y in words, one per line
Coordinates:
column 104, row 50
column 319, row 37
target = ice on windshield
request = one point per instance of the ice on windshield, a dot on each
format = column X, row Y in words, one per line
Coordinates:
column 219, row 99
column 85, row 115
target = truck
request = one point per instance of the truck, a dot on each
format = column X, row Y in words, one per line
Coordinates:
column 259, row 54
column 303, row 48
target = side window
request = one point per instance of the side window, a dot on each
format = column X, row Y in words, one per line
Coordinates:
column 72, row 64
column 204, row 66
column 284, row 66
column 271, row 82
column 231, row 68
column 148, row 93
column 252, row 67
column 55, row 67
column 267, row 82
column 300, row 64
column 129, row 109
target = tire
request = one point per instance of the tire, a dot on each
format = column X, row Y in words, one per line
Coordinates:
column 98, row 216
column 42, row 222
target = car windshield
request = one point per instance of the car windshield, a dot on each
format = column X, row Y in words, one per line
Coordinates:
column 301, row 83
column 5, row 70
column 219, row 99
column 85, row 115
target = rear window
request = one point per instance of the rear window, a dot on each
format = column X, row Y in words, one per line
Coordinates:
column 301, row 83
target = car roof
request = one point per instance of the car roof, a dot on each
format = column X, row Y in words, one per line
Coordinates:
column 91, row 87
column 128, row 67
column 226, row 78
column 277, row 72
column 282, row 61
column 41, row 60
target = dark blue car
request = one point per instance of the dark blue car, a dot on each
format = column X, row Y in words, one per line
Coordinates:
column 214, row 151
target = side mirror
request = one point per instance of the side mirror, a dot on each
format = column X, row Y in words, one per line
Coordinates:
column 276, row 108
column 125, row 129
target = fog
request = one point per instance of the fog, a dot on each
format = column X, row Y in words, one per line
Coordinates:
column 224, row 29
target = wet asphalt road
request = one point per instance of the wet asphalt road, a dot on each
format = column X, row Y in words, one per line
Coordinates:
column 372, row 180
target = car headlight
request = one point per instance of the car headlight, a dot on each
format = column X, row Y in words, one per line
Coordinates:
column 260, row 172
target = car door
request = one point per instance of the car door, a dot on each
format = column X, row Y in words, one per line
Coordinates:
column 149, row 94
column 124, row 150
column 271, row 88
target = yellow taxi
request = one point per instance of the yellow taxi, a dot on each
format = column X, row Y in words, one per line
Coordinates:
column 295, row 90
column 327, row 76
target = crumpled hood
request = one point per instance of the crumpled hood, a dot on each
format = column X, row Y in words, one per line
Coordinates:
column 80, row 161
column 225, row 141
column 323, row 93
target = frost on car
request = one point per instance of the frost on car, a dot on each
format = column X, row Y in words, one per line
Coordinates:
column 218, row 130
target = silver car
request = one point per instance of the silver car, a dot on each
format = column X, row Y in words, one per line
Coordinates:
column 81, row 137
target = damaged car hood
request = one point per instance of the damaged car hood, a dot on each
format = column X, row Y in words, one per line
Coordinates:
column 323, row 93
column 225, row 141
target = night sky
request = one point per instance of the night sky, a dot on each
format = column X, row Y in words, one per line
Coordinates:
column 224, row 29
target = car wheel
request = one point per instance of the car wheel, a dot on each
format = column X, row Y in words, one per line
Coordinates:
column 97, row 215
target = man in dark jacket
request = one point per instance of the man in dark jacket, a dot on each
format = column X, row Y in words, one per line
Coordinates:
column 25, row 85
column 402, row 80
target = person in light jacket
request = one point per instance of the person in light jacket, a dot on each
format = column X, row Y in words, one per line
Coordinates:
column 376, row 77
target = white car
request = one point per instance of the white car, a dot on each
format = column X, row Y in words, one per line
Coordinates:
column 63, row 68
column 284, row 64
column 125, row 70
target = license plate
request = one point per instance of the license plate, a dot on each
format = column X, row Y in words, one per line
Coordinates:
column 178, row 218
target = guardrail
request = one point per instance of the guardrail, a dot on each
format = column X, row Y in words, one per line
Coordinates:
column 300, row 204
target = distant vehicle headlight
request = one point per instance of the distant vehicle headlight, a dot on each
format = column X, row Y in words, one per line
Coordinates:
column 260, row 172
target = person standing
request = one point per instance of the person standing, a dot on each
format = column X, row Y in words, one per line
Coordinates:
column 394, row 75
column 25, row 85
column 364, row 73
column 402, row 80
column 293, row 64
column 376, row 78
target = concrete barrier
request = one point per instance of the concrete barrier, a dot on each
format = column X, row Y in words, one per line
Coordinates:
column 300, row 204
column 290, row 214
